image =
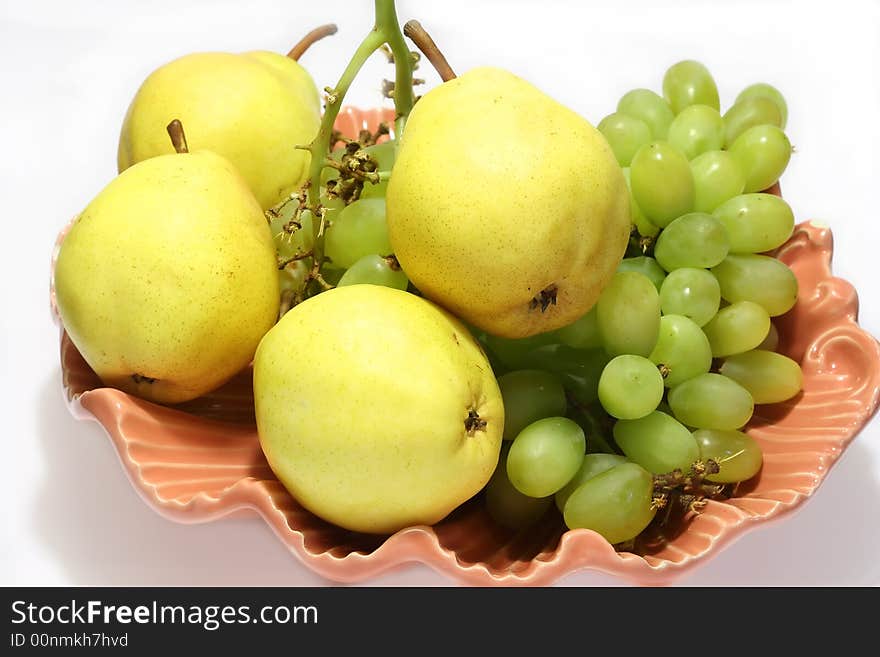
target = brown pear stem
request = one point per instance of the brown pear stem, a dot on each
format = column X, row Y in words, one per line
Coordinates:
column 414, row 30
column 315, row 35
column 178, row 136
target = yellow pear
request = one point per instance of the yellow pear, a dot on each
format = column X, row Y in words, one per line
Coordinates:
column 253, row 108
column 168, row 279
column 504, row 206
column 376, row 409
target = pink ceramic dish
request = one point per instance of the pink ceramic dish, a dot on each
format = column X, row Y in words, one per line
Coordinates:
column 202, row 460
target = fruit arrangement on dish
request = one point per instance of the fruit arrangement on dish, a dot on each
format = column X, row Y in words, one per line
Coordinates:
column 475, row 331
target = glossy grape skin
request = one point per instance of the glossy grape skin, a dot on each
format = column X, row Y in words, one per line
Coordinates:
column 630, row 387
column 628, row 314
column 717, row 178
column 696, row 240
column 507, row 506
column 646, row 105
column 769, row 377
column 375, row 270
column 645, row 265
column 657, row 442
column 662, row 182
column 689, row 83
column 737, row 328
column 758, row 278
column 578, row 369
column 748, row 113
column 763, row 153
column 616, row 503
column 359, row 230
column 737, row 454
column 625, row 134
column 765, row 90
column 583, row 333
column 697, row 129
column 592, row 465
column 639, row 220
column 692, row 292
column 711, row 401
column 682, row 348
column 756, row 222
column 529, row 395
column 545, row 456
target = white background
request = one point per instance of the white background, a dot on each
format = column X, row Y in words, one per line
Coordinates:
column 67, row 72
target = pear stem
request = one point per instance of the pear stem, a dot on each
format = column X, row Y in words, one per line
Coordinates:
column 315, row 35
column 414, row 30
column 386, row 30
column 178, row 136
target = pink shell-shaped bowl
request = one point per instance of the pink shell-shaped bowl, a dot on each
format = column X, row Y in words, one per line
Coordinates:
column 202, row 460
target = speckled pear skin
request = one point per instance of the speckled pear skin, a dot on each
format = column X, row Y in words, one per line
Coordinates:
column 201, row 461
column 252, row 108
column 376, row 409
column 167, row 280
column 505, row 206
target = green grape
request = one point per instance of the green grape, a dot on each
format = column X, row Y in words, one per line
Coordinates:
column 653, row 110
column 711, row 401
column 682, row 348
column 615, row 504
column 764, row 90
column 657, row 442
column 771, row 342
column 763, row 153
column 697, row 129
column 646, row 266
column 689, row 83
column 625, row 134
column 375, row 270
column 747, row 113
column 578, row 369
column 545, row 456
column 737, row 453
column 630, row 387
column 628, row 314
column 529, row 395
column 583, row 333
column 592, row 465
column 756, row 223
column 692, row 292
column 514, row 353
column 769, row 377
column 639, row 220
column 693, row 240
column 737, row 328
column 717, row 178
column 385, row 154
column 759, row 278
column 507, row 506
column 359, row 230
column 662, row 182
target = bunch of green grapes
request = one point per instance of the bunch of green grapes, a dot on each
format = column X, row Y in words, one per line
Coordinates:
column 663, row 373
column 356, row 244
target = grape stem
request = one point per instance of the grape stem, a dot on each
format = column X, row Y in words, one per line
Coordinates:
column 315, row 35
column 414, row 30
column 386, row 30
